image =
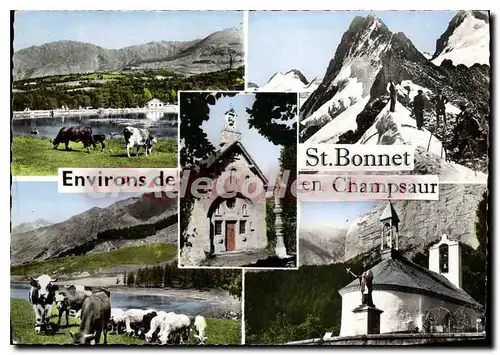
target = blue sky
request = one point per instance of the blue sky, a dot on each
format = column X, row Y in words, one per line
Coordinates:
column 307, row 41
column 334, row 214
column 34, row 200
column 265, row 153
column 117, row 29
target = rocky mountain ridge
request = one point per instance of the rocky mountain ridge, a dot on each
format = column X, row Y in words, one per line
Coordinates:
column 421, row 223
column 217, row 51
column 27, row 226
column 145, row 219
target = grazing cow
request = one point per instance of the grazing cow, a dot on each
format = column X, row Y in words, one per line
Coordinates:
column 117, row 320
column 98, row 138
column 96, row 311
column 35, row 132
column 70, row 299
column 175, row 329
column 155, row 327
column 133, row 320
column 75, row 134
column 138, row 137
column 41, row 296
column 200, row 326
column 146, row 324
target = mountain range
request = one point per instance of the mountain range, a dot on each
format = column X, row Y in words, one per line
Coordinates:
column 220, row 50
column 350, row 104
column 136, row 220
column 27, row 226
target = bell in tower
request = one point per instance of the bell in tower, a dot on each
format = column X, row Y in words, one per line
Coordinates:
column 390, row 231
column 230, row 133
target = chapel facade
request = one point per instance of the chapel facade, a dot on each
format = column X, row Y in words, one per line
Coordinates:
column 235, row 220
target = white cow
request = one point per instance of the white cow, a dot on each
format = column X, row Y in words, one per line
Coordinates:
column 200, row 326
column 175, row 328
column 138, row 137
column 156, row 324
column 41, row 296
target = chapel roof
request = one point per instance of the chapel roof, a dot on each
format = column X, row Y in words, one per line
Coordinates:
column 400, row 274
column 227, row 148
column 390, row 213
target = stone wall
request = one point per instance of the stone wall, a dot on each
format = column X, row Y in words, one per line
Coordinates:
column 402, row 311
column 395, row 339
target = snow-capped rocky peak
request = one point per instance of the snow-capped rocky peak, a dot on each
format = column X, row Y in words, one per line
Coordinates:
column 292, row 80
column 466, row 40
column 349, row 77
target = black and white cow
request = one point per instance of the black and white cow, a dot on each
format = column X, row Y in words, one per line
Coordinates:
column 138, row 137
column 41, row 296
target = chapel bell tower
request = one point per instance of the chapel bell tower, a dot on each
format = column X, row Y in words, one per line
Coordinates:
column 230, row 133
column 389, row 238
column 445, row 258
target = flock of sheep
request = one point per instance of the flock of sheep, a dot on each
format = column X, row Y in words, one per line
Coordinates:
column 157, row 326
column 93, row 308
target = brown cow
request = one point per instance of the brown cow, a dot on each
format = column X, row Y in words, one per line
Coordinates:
column 96, row 312
column 75, row 134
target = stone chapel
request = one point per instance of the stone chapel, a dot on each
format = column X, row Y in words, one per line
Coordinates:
column 408, row 297
column 234, row 221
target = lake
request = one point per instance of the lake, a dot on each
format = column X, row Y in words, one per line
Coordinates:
column 161, row 124
column 126, row 300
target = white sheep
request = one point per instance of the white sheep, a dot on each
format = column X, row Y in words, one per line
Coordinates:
column 156, row 324
column 175, row 327
column 200, row 326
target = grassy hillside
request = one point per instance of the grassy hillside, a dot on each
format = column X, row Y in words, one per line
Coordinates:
column 117, row 90
column 36, row 156
column 219, row 331
column 136, row 255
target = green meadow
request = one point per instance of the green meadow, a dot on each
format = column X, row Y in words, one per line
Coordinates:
column 33, row 156
column 219, row 331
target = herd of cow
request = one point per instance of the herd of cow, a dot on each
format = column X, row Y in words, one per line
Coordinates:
column 134, row 137
column 93, row 308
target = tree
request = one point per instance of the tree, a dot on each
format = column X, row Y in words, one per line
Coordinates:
column 229, row 56
column 147, row 94
column 195, row 111
column 481, row 225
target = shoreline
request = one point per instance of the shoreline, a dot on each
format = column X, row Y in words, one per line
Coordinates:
column 222, row 304
column 34, row 114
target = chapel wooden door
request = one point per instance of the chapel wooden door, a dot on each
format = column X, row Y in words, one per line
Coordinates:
column 230, row 231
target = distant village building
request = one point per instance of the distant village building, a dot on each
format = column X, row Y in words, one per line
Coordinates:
column 408, row 297
column 154, row 104
column 221, row 225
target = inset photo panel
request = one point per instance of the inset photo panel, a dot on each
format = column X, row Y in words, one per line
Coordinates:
column 372, row 78
column 81, row 99
column 238, row 204
column 72, row 253
column 380, row 272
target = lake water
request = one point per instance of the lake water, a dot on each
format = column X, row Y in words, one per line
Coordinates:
column 161, row 124
column 126, row 300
